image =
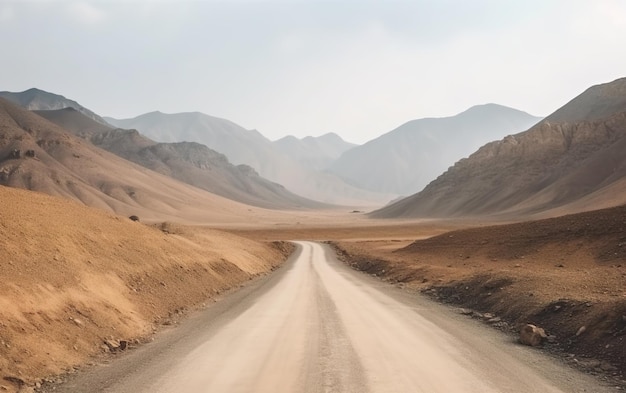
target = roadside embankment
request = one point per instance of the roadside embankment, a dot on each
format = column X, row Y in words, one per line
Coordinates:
column 566, row 275
column 76, row 282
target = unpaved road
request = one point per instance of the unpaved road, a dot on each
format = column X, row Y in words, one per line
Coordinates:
column 318, row 326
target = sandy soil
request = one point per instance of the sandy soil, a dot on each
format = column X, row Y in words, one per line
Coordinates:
column 74, row 281
column 73, row 277
column 318, row 326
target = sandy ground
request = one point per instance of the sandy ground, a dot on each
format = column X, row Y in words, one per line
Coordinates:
column 75, row 281
column 565, row 274
column 318, row 326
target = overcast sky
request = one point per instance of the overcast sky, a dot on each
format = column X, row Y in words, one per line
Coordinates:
column 305, row 67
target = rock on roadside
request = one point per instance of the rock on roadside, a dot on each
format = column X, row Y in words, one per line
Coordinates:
column 532, row 335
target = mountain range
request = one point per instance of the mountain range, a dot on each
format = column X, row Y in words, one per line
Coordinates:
column 406, row 159
column 568, row 162
column 38, row 155
column 189, row 162
column 571, row 161
column 249, row 147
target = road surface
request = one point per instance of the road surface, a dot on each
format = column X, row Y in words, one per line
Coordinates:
column 318, row 326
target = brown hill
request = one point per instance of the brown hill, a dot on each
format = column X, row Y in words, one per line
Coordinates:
column 73, row 277
column 38, row 155
column 189, row 162
column 572, row 161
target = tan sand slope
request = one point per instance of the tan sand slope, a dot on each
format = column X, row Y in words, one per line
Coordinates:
column 67, row 166
column 189, row 162
column 560, row 166
column 73, row 276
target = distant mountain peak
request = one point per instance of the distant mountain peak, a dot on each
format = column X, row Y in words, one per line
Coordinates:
column 407, row 158
column 37, row 99
column 597, row 102
column 491, row 108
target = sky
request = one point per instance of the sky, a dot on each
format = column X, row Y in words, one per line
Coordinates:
column 359, row 68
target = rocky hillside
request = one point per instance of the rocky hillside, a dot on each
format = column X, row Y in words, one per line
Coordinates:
column 572, row 161
column 314, row 152
column 35, row 99
column 38, row 155
column 406, row 159
column 190, row 162
column 249, row 147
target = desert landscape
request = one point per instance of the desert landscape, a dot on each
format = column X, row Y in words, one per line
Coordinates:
column 428, row 240
column 93, row 283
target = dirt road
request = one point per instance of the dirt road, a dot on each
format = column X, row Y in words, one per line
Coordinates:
column 317, row 326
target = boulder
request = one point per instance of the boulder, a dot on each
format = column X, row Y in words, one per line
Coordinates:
column 532, row 335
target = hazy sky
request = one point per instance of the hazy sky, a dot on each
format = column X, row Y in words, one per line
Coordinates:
column 305, row 67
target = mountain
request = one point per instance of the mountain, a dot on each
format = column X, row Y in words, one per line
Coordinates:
column 404, row 160
column 188, row 162
column 314, row 152
column 38, row 155
column 570, row 162
column 35, row 99
column 243, row 146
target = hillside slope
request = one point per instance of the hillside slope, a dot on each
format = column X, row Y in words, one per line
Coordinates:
column 38, row 155
column 406, row 159
column 189, row 162
column 75, row 278
column 572, row 161
column 243, row 146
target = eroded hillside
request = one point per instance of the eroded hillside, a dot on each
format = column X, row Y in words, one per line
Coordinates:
column 562, row 165
column 73, row 277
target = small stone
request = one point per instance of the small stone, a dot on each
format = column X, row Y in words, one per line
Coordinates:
column 113, row 345
column 581, row 330
column 465, row 311
column 532, row 335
